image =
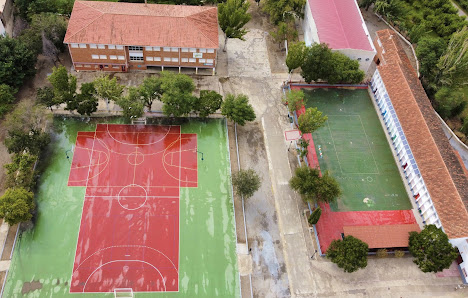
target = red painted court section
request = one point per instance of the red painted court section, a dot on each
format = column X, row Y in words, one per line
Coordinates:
column 129, row 232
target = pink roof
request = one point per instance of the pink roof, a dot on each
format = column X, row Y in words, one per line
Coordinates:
column 339, row 24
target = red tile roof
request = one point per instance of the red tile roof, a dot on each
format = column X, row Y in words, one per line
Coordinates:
column 136, row 24
column 386, row 236
column 340, row 24
column 440, row 168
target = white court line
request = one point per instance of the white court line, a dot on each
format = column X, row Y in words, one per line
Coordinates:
column 146, row 197
column 115, row 261
column 368, row 144
column 180, row 172
column 161, row 139
column 336, row 152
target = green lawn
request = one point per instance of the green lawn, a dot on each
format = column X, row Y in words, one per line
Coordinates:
column 356, row 152
column 208, row 262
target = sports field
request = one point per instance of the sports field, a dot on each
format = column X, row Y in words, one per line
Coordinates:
column 131, row 207
column 356, row 152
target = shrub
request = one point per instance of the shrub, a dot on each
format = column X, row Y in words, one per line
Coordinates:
column 399, row 253
column 382, row 253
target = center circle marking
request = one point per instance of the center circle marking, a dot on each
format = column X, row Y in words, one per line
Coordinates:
column 132, row 197
column 135, row 158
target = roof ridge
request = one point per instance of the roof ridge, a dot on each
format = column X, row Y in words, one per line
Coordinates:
column 194, row 23
column 92, row 21
column 341, row 24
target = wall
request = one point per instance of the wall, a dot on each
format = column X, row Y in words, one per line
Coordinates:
column 151, row 56
column 462, row 245
column 6, row 16
column 309, row 27
column 366, row 57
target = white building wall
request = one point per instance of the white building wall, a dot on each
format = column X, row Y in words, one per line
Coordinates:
column 309, row 27
column 462, row 245
column 364, row 58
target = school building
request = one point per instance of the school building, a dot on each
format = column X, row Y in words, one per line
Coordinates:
column 339, row 24
column 433, row 170
column 113, row 36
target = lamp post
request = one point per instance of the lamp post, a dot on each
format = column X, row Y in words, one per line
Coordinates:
column 199, row 152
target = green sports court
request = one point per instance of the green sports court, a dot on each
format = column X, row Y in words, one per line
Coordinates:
column 43, row 260
column 355, row 150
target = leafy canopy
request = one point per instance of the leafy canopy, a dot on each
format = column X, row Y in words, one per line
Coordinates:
column 350, row 254
column 16, row 205
column 311, row 120
column 315, row 188
column 246, row 182
column 296, row 55
column 108, row 89
column 132, row 104
column 315, row 216
column 64, row 85
column 232, row 16
column 283, row 10
column 177, row 95
column 150, row 90
column 16, row 62
column 453, row 64
column 238, row 109
column 295, row 99
column 209, row 102
column 20, row 171
column 86, row 102
column 431, row 249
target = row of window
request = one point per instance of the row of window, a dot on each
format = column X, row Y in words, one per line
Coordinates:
column 96, row 66
column 183, row 60
column 139, row 48
column 112, row 57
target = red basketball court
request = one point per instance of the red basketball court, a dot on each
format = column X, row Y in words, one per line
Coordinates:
column 129, row 232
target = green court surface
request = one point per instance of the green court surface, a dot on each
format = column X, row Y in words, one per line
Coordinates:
column 356, row 152
column 43, row 258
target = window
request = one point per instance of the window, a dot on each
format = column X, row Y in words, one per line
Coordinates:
column 102, row 57
column 156, row 49
column 121, row 57
column 184, row 59
column 101, row 46
column 95, row 56
column 209, row 61
column 111, row 47
column 149, row 58
column 82, row 46
column 106, row 66
column 115, row 66
column 157, row 58
column 174, row 49
column 148, row 48
column 78, row 65
column 211, row 51
column 74, row 45
column 135, row 48
column 113, row 57
column 93, row 46
column 166, row 59
column 193, row 50
column 87, row 65
column 166, row 49
column 202, row 50
column 192, row 60
column 202, row 60
column 175, row 59
column 136, row 58
column 119, row 47
column 184, row 50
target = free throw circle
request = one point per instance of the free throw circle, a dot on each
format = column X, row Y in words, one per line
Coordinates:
column 132, row 197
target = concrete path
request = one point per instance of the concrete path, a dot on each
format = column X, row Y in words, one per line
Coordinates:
column 460, row 11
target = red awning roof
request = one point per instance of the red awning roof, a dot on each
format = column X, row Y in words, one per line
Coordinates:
column 339, row 24
column 386, row 236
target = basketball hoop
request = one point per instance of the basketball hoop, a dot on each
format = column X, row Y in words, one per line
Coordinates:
column 292, row 135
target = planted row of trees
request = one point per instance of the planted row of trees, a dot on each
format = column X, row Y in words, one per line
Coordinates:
column 319, row 63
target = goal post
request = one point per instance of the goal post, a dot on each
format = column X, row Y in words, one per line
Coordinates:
column 123, row 293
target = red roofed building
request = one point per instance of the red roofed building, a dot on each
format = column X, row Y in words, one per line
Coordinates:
column 433, row 171
column 116, row 36
column 383, row 236
column 339, row 24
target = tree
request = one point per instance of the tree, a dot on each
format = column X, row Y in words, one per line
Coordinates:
column 86, row 102
column 431, row 249
column 311, row 120
column 108, row 89
column 428, row 51
column 284, row 31
column 64, row 85
column 209, row 102
column 33, row 141
column 350, row 254
column 132, row 104
column 295, row 100
column 232, row 16
column 7, row 97
column 237, row 109
column 283, row 10
column 150, row 90
column 16, row 205
column 246, row 182
column 320, row 63
column 296, row 56
column 177, row 95
column 26, row 118
column 20, row 171
column 16, row 62
column 366, row 3
column 46, row 97
column 449, row 102
column 315, row 188
column 453, row 64
column 315, row 216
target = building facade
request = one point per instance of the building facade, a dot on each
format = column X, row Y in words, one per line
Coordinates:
column 434, row 173
column 339, row 24
column 112, row 36
column 6, row 17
